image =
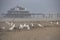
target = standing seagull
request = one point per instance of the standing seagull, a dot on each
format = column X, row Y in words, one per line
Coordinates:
column 40, row 25
column 25, row 25
column 57, row 22
column 32, row 24
column 11, row 28
column 21, row 26
column 28, row 27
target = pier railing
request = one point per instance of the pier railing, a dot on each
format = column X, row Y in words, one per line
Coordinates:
column 31, row 17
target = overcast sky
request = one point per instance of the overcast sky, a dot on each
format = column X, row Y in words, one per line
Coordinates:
column 42, row 6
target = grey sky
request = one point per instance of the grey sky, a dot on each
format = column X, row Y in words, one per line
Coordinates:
column 42, row 6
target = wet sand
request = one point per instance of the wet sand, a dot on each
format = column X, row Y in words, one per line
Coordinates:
column 48, row 33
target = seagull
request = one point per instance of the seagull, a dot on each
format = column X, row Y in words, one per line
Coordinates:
column 40, row 25
column 25, row 25
column 32, row 24
column 57, row 22
column 11, row 28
